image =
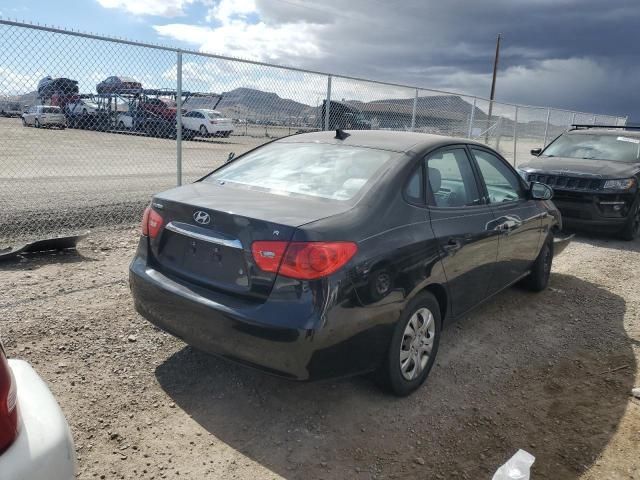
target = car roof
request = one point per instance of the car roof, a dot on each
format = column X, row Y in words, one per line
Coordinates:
column 379, row 139
column 620, row 132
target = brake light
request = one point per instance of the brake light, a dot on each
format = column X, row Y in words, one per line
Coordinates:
column 151, row 223
column 302, row 260
column 8, row 407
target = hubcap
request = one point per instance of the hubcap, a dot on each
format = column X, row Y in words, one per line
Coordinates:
column 417, row 341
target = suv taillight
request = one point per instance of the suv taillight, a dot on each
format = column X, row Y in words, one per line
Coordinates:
column 151, row 223
column 302, row 260
column 8, row 407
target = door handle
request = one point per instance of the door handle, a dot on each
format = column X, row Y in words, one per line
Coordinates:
column 452, row 245
column 508, row 225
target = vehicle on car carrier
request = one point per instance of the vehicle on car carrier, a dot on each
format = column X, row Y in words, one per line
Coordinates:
column 594, row 172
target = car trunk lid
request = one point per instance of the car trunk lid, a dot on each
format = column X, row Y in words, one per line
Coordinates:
column 208, row 230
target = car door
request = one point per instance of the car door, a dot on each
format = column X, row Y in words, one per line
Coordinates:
column 191, row 120
column 518, row 217
column 463, row 224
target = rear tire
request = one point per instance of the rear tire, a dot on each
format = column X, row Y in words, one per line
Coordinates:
column 24, row 123
column 538, row 279
column 413, row 347
column 203, row 131
column 36, row 123
column 631, row 230
column 121, row 125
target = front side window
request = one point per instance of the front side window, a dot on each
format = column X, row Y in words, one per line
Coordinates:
column 451, row 179
column 588, row 146
column 503, row 185
column 335, row 172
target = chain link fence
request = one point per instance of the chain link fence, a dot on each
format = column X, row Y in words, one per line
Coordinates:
column 91, row 126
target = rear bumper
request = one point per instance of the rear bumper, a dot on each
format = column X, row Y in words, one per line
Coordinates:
column 44, row 448
column 344, row 340
column 53, row 121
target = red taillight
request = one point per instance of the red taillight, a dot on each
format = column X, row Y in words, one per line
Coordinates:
column 302, row 260
column 8, row 407
column 151, row 223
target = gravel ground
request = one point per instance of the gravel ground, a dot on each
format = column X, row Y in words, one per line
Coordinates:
column 550, row 373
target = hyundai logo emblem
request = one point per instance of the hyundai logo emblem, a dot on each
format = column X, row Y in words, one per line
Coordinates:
column 203, row 218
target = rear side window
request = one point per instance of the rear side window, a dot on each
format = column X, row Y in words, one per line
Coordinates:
column 503, row 185
column 413, row 190
column 451, row 179
column 329, row 171
column 50, row 110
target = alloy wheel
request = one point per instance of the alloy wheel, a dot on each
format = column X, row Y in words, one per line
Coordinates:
column 417, row 342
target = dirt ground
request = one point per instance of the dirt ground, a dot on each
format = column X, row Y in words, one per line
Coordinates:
column 550, row 373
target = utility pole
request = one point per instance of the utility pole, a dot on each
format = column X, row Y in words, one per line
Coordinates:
column 493, row 85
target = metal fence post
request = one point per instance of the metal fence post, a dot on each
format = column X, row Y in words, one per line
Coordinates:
column 179, row 118
column 327, row 104
column 573, row 119
column 595, row 119
column 472, row 117
column 413, row 114
column 515, row 135
column 546, row 127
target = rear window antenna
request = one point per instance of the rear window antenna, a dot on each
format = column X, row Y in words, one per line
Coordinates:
column 341, row 134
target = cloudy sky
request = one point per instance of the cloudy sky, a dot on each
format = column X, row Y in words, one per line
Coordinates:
column 574, row 54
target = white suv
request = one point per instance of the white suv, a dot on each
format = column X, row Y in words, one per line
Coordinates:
column 44, row 116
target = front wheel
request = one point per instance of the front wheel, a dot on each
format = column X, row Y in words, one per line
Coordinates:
column 413, row 347
column 121, row 125
column 631, row 229
column 203, row 131
column 538, row 278
column 24, row 123
column 36, row 123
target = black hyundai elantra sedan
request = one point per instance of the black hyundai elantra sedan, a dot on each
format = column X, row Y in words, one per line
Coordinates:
column 338, row 253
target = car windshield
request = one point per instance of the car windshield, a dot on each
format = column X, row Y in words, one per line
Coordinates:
column 214, row 115
column 334, row 172
column 51, row 110
column 619, row 148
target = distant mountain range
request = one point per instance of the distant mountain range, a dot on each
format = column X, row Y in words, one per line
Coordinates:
column 252, row 103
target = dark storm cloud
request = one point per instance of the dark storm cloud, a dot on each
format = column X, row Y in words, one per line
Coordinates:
column 577, row 54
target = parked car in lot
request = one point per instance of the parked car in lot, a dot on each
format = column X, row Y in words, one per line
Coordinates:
column 205, row 123
column 165, row 108
column 331, row 254
column 61, row 86
column 595, row 173
column 35, row 441
column 82, row 107
column 119, row 85
column 44, row 116
column 137, row 119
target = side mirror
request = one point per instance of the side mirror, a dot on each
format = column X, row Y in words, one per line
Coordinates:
column 536, row 151
column 230, row 157
column 540, row 191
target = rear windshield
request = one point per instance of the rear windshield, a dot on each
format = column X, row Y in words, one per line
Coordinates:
column 619, row 148
column 50, row 110
column 320, row 170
